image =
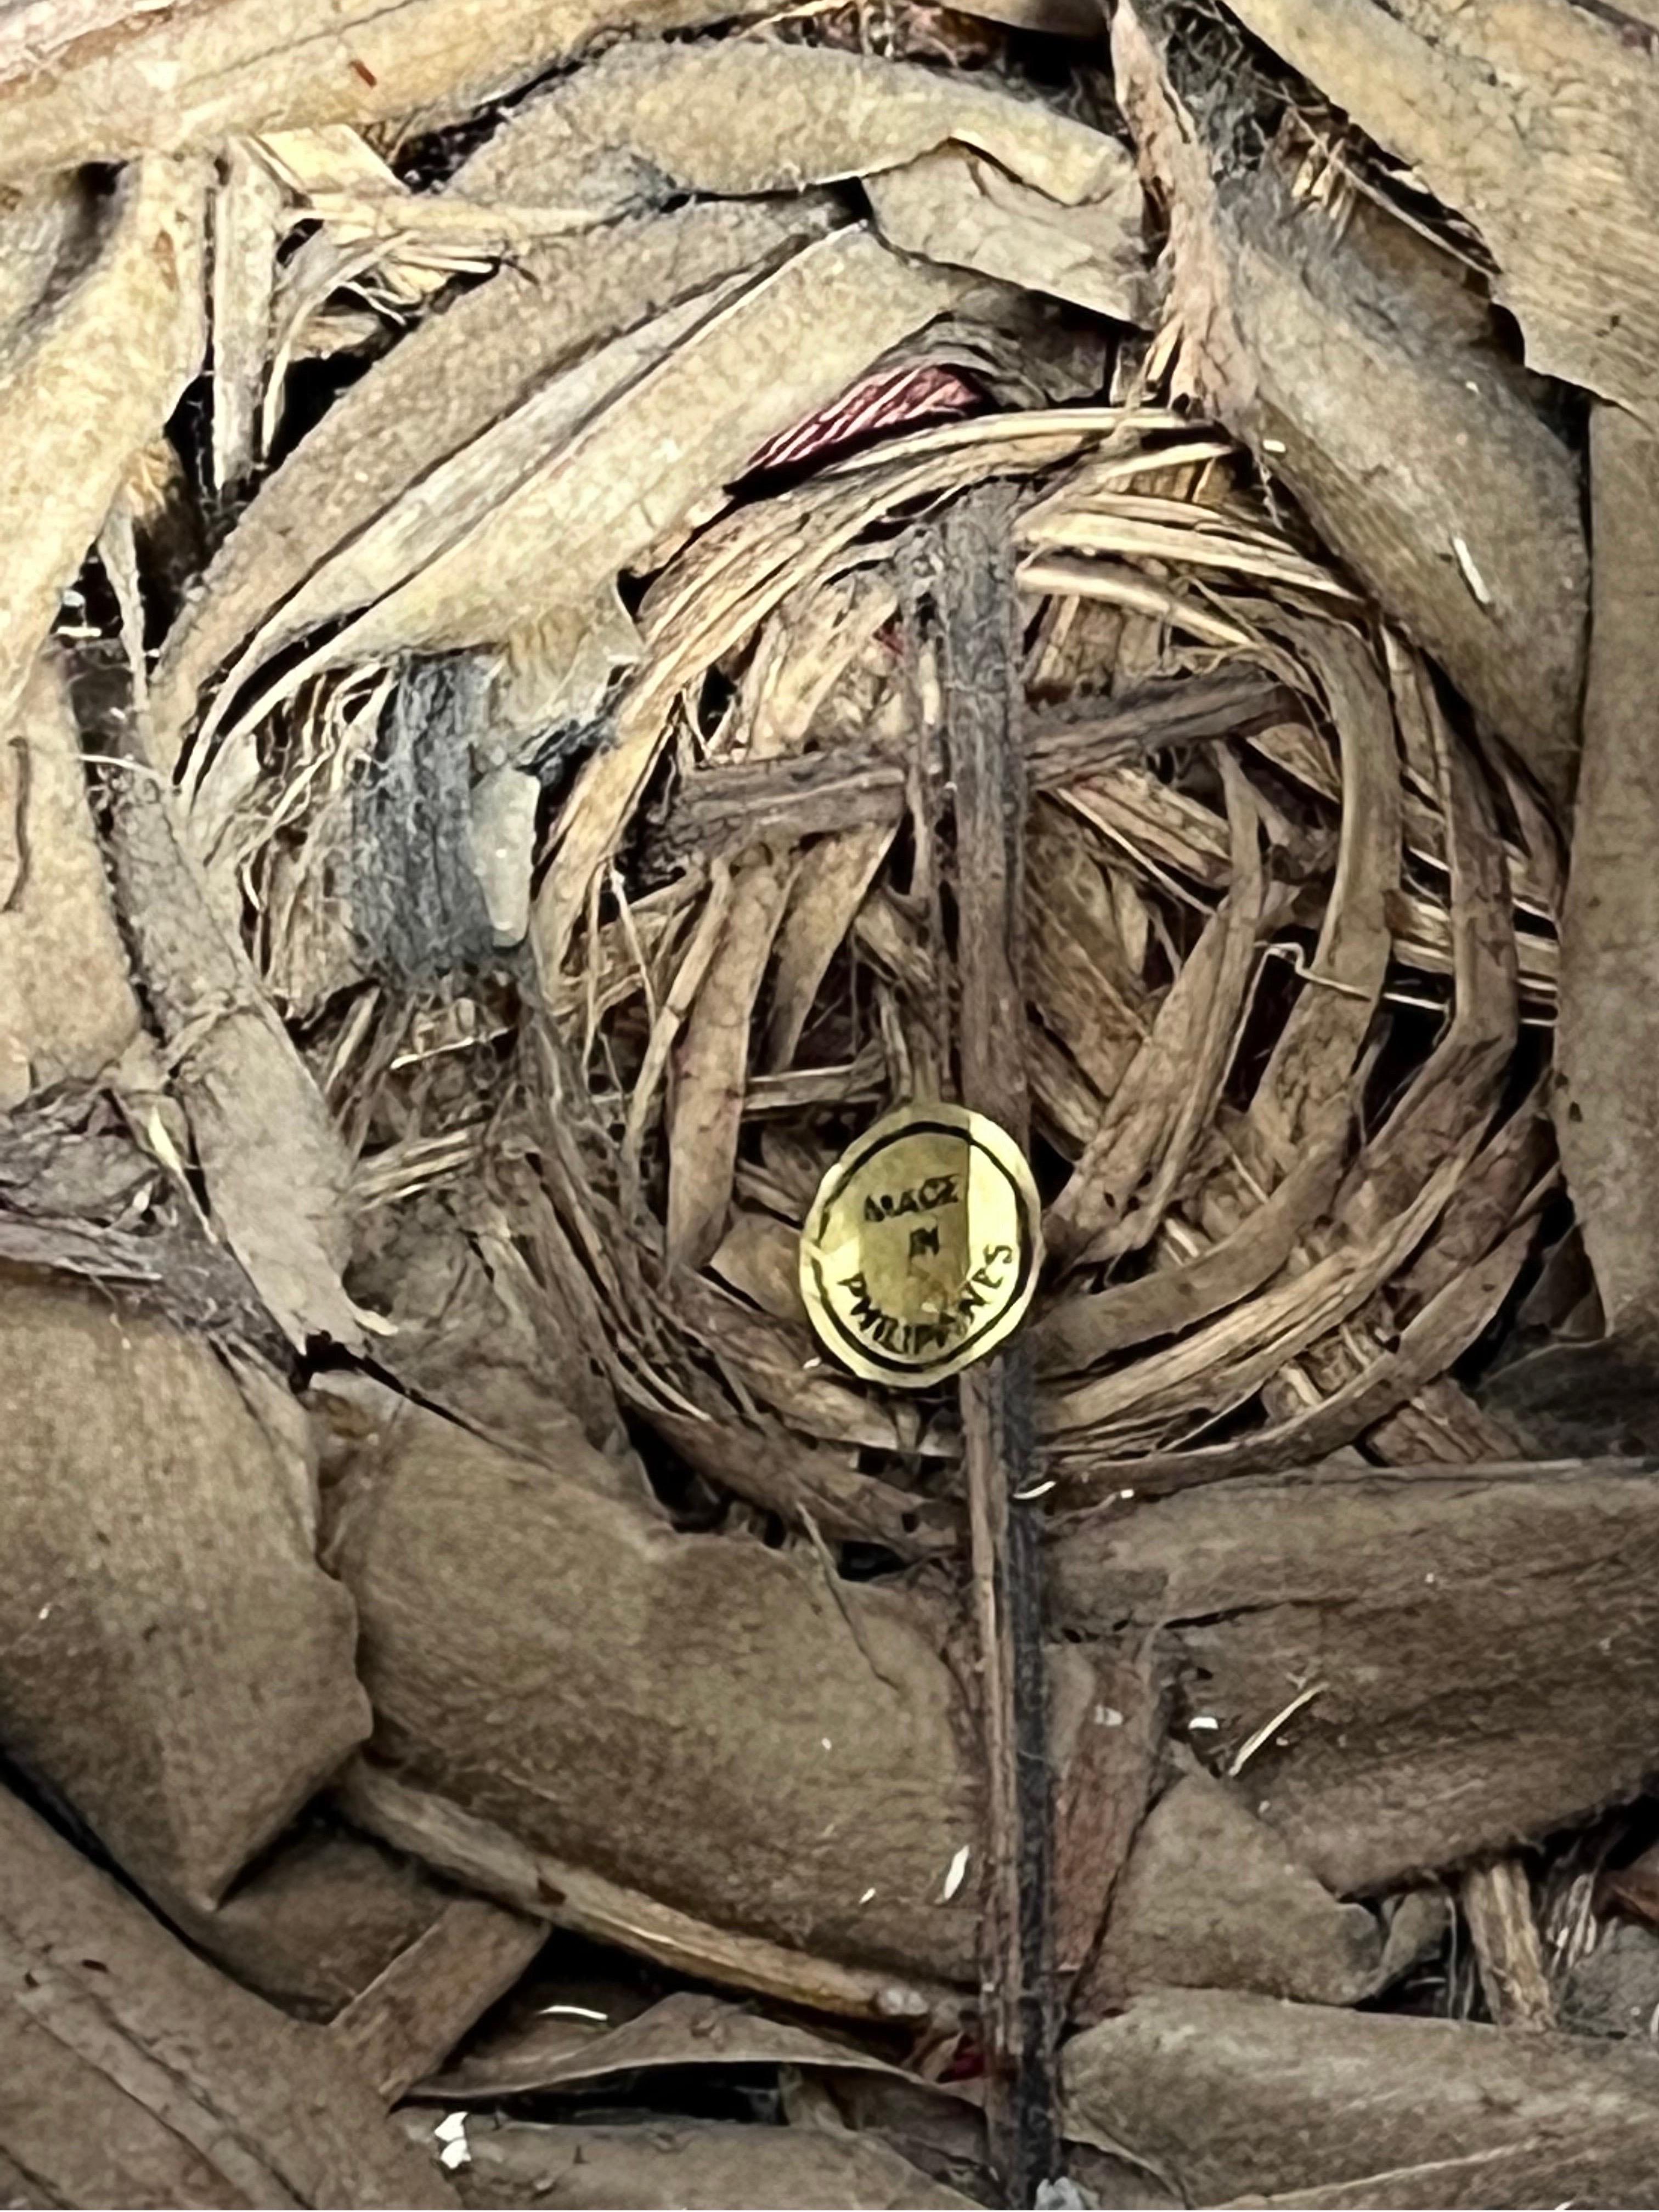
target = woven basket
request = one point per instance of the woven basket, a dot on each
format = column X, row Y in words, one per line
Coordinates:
column 1290, row 981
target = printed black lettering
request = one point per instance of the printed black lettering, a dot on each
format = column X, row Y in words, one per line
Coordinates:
column 918, row 1197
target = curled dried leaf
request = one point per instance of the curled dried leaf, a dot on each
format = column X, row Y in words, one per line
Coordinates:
column 739, row 116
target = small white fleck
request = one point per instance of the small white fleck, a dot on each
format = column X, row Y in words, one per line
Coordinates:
column 1108, row 1716
column 572, row 2011
column 1472, row 575
column 807, row 1365
column 1204, row 1721
column 1469, row 385
column 450, row 2128
column 1272, row 445
column 866, row 1897
column 1037, row 1490
column 825, row 1741
column 45, row 1612
column 1428, row 1578
column 954, row 1875
column 1126, row 1493
column 454, row 2156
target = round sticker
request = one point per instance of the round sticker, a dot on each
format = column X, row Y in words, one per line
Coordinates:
column 920, row 1252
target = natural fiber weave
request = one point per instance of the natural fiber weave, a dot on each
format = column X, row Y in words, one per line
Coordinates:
column 1290, row 986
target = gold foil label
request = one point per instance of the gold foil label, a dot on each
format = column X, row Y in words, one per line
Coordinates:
column 920, row 1252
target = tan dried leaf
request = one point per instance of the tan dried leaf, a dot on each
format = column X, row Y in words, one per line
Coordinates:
column 461, row 495
column 37, row 226
column 83, row 385
column 689, row 2028
column 67, row 1011
column 101, row 80
column 130, row 1692
column 760, row 1257
column 1355, row 357
column 273, row 1162
column 724, row 382
column 674, row 2162
column 782, row 1366
column 1313, row 1062
column 711, row 1066
column 1609, row 1028
column 739, row 116
column 960, row 208
column 1121, row 1187
column 1458, row 1087
column 1522, row 115
column 247, row 207
column 432, row 397
column 595, row 1609
column 829, row 887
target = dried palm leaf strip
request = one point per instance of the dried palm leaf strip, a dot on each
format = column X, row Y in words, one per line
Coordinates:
column 1081, row 1329
column 708, row 1089
column 981, row 706
column 802, row 654
column 1313, row 1061
column 1457, row 1086
column 1445, row 1329
column 777, row 1468
column 958, row 170
column 741, row 117
column 957, row 207
column 1076, row 988
column 437, row 392
column 1518, row 114
column 1354, row 358
column 94, row 373
column 777, row 1363
column 1224, row 1365
column 272, row 1159
column 1108, row 1207
column 67, row 1008
column 247, row 207
column 1609, row 1030
column 104, row 80
column 488, row 1858
column 728, row 580
column 848, row 787
column 834, row 874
